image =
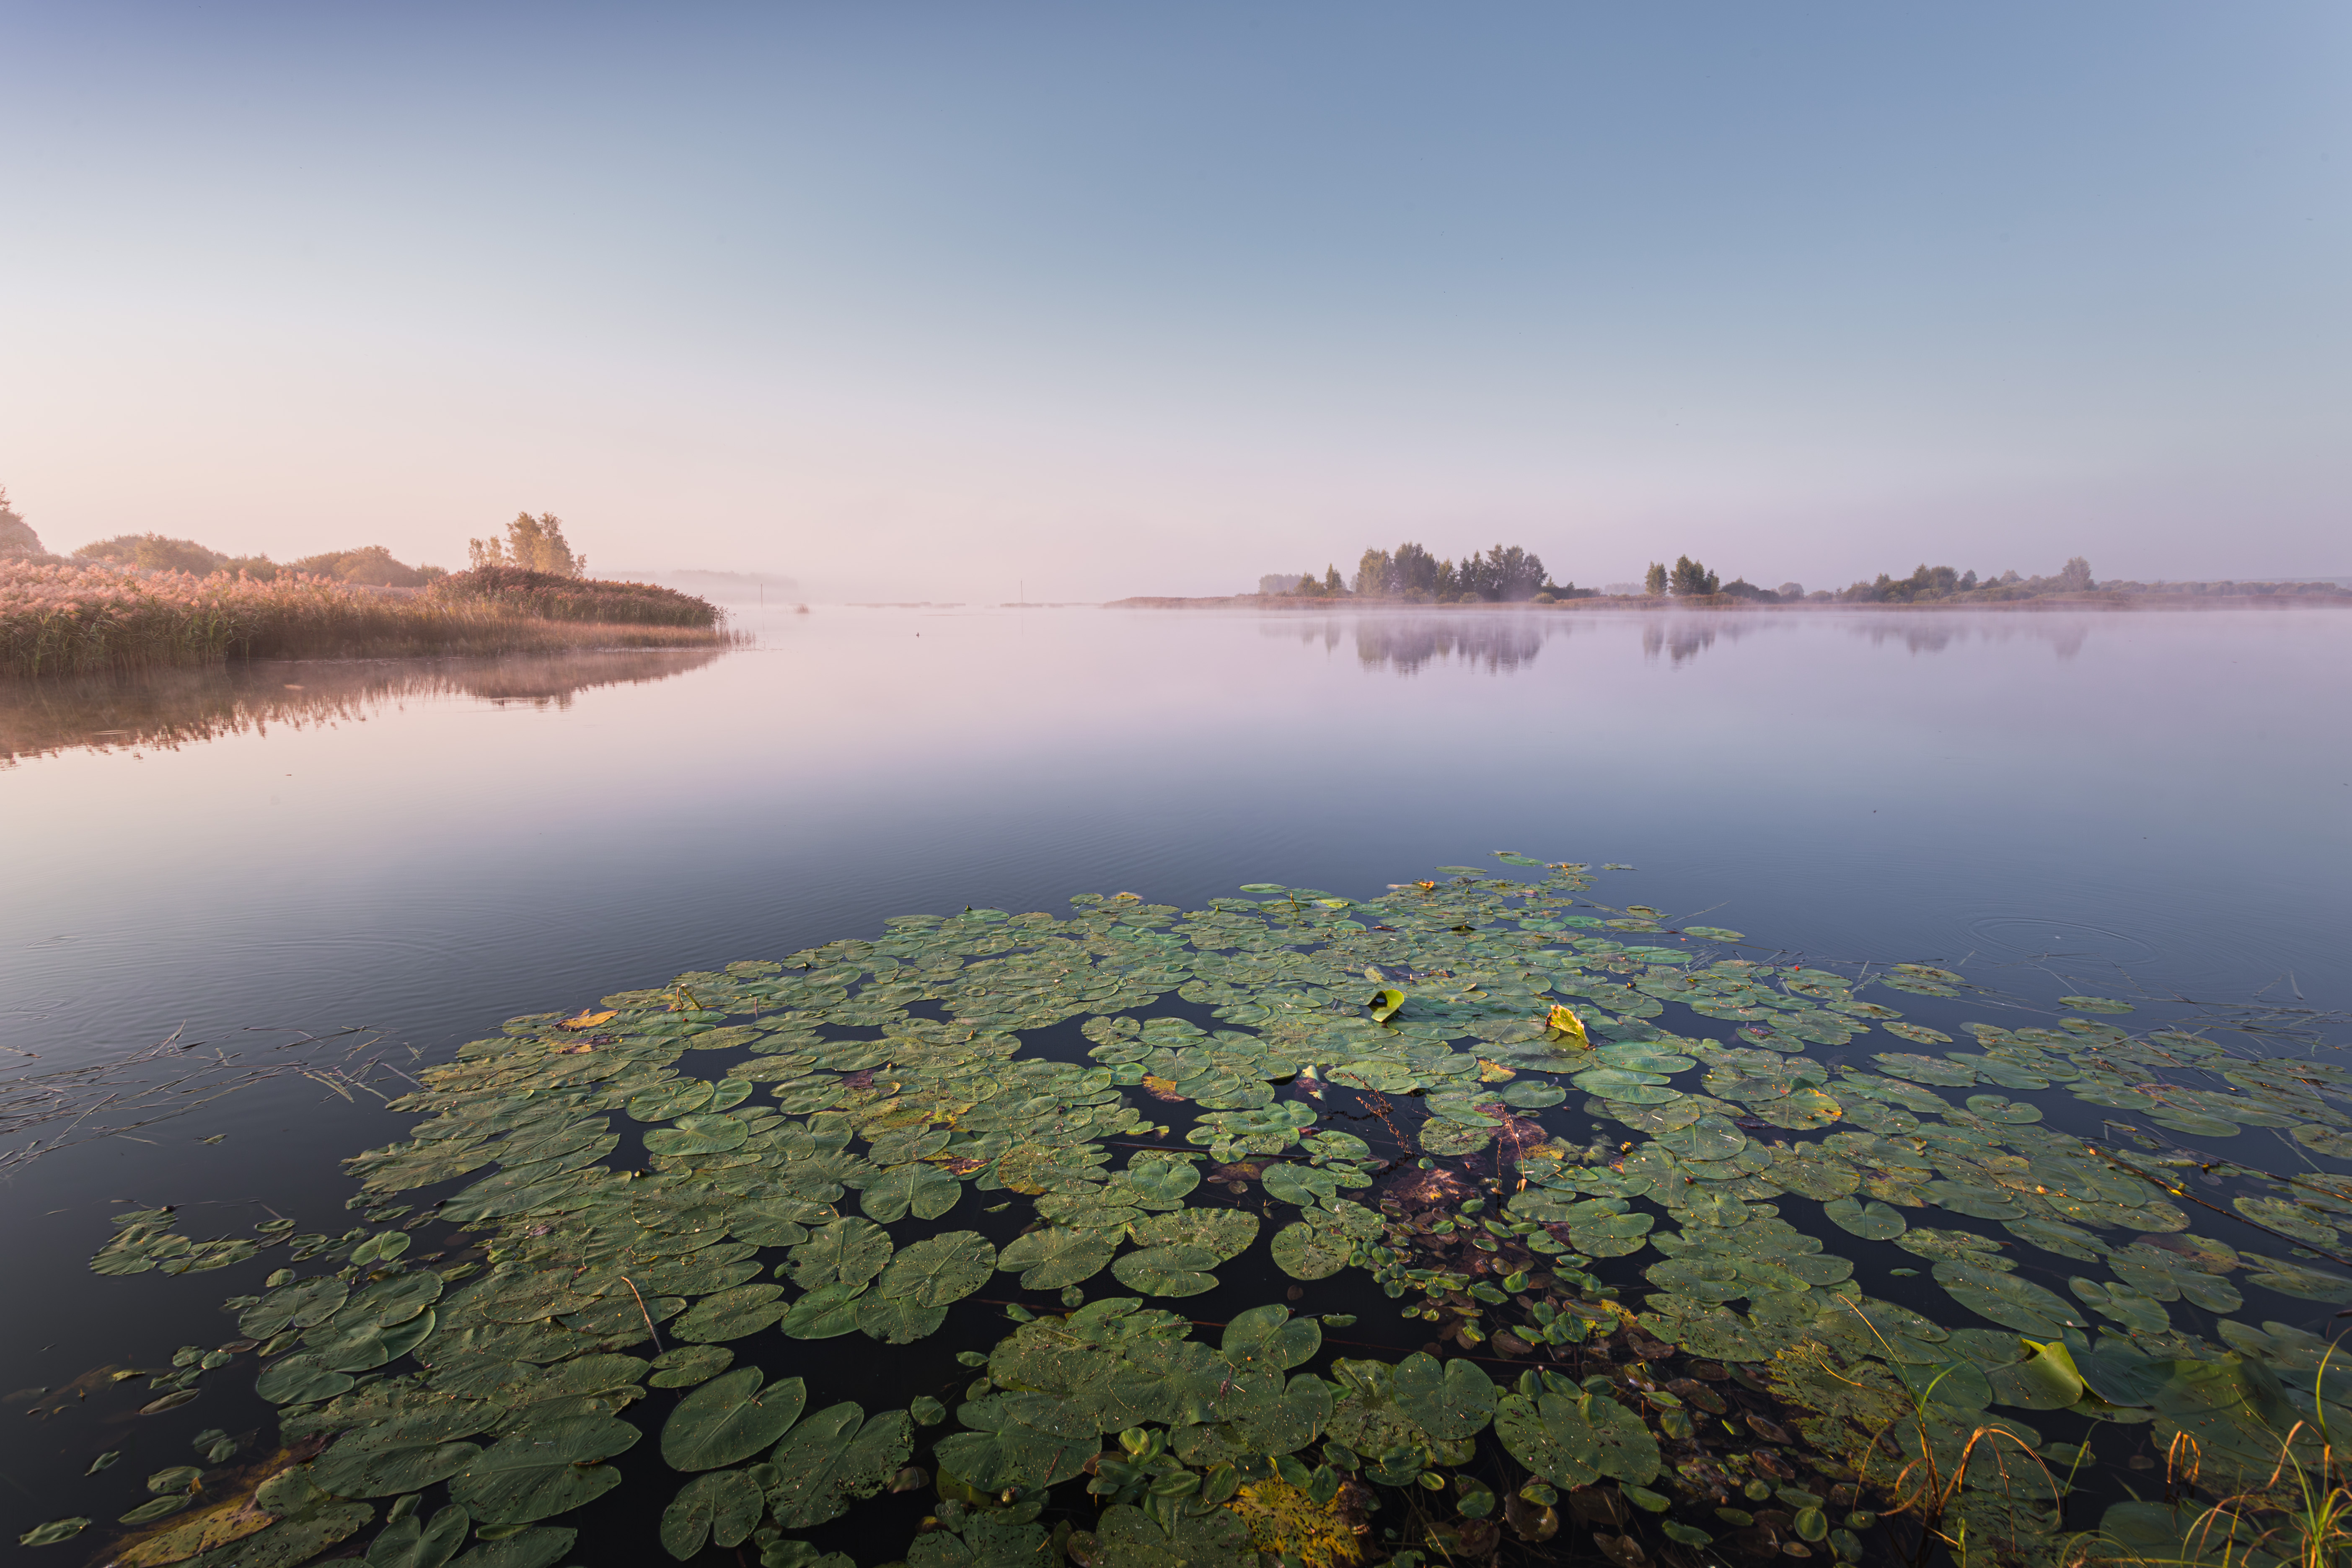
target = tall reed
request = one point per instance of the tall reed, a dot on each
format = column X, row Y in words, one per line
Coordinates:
column 88, row 619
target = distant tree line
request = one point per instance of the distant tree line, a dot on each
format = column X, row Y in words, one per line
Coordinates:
column 1411, row 574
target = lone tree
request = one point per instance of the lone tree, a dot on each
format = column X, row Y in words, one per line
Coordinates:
column 1692, row 579
column 533, row 543
column 2075, row 575
column 1653, row 581
column 16, row 535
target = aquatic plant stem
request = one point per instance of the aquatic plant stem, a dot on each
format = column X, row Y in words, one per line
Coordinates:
column 2167, row 1187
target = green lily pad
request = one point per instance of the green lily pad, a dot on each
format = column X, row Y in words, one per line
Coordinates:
column 387, row 1467
column 827, row 1312
column 418, row 1542
column 1304, row 1252
column 926, row 1190
column 722, row 1507
column 542, row 1470
column 1449, row 1400
column 731, row 1314
column 1195, row 1536
column 1175, row 1270
column 300, row 1379
column 847, row 1251
column 939, row 1270
column 303, row 1305
column 835, row 1456
column 1872, row 1222
column 1533, row 1096
column 1052, row 1257
column 687, row 1365
column 1223, row 1232
column 730, row 1418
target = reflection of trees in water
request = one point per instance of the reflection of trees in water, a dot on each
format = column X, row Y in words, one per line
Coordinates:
column 168, row 708
column 1936, row 630
column 1404, row 644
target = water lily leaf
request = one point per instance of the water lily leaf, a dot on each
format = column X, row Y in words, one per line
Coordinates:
column 537, row 1547
column 300, row 1379
column 1872, row 1222
column 1223, row 1232
column 415, row 1542
column 543, row 1469
column 827, row 1312
column 303, row 1305
column 901, row 1322
column 1053, row 1257
column 836, row 1455
column 357, row 1467
column 731, row 1314
column 939, row 1270
column 1305, row 1252
column 1003, row 1452
column 1198, row 1537
column 1271, row 1336
column 1168, row 1271
column 2006, row 1299
column 2046, row 1380
column 1161, row 1182
column 775, row 1222
column 847, row 1251
column 391, row 1301
column 698, row 1134
column 53, row 1532
column 1449, row 1400
column 1385, row 1003
column 2124, row 1305
column 689, row 1364
column 1305, row 1185
column 1573, row 1441
column 730, row 1418
column 720, row 1505
column 1531, row 1096
column 925, row 1190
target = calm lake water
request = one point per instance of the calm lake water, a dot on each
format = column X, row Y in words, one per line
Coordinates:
column 2160, row 802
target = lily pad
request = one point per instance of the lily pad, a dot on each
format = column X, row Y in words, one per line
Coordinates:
column 722, row 1507
column 1872, row 1222
column 730, row 1418
column 1305, row 1252
column 689, row 1364
column 939, row 1270
column 836, row 1455
column 731, row 1314
column 1053, row 1256
column 543, row 1471
column 1175, row 1270
column 848, row 1252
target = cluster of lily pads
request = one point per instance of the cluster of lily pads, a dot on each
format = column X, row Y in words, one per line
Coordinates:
column 1463, row 1108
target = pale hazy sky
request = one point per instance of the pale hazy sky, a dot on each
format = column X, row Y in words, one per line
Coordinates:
column 931, row 300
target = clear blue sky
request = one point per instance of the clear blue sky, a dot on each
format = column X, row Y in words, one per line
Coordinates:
column 1118, row 299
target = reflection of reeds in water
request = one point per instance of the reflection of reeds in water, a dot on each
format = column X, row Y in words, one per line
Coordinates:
column 167, row 709
column 65, row 620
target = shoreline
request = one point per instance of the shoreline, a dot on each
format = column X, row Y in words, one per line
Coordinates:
column 1720, row 603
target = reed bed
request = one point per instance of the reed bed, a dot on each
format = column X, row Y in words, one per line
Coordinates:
column 74, row 619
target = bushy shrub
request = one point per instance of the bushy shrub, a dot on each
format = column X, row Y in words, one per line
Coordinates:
column 557, row 598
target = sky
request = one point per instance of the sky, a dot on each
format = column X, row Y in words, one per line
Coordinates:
column 1078, row 301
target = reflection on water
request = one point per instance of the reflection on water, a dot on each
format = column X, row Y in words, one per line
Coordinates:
column 1502, row 641
column 167, row 709
column 1404, row 645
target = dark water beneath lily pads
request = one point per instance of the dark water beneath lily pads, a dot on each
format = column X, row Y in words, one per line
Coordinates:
column 1781, row 1162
